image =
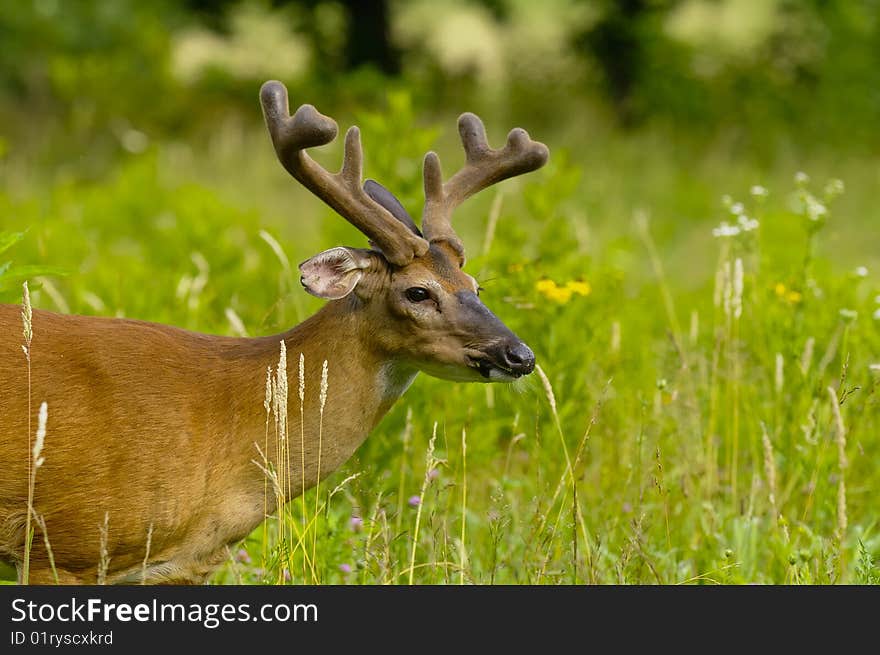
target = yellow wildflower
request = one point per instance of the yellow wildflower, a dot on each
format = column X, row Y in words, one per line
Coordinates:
column 780, row 289
column 559, row 294
column 545, row 286
column 579, row 287
column 794, row 297
column 562, row 293
column 516, row 267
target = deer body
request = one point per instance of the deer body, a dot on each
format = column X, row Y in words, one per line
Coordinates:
column 158, row 431
column 174, row 440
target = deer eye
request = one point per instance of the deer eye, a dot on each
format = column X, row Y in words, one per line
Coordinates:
column 417, row 294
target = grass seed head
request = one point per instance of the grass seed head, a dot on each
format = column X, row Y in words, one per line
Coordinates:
column 27, row 316
column 302, row 378
column 323, row 394
column 41, row 434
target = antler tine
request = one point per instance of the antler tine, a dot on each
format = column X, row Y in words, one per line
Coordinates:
column 483, row 167
column 342, row 191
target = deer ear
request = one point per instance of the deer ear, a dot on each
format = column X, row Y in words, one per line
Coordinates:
column 334, row 273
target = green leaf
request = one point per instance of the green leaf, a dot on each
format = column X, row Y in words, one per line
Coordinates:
column 21, row 273
column 9, row 239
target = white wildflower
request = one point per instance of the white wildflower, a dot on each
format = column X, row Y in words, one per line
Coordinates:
column 737, row 209
column 747, row 224
column 725, row 230
column 801, row 178
column 861, row 271
column 758, row 191
column 834, row 188
column 815, row 209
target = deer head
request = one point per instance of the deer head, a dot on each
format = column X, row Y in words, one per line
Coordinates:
column 418, row 306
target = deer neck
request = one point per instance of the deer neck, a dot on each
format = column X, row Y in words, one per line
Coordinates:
column 330, row 412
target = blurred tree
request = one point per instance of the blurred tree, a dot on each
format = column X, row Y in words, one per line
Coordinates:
column 367, row 30
column 616, row 43
column 368, row 36
column 763, row 72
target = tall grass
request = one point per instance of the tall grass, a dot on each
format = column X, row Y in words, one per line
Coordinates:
column 28, row 333
column 656, row 449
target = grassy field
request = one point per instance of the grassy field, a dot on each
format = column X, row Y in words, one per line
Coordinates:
column 706, row 409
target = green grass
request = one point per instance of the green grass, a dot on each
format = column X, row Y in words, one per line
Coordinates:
column 663, row 397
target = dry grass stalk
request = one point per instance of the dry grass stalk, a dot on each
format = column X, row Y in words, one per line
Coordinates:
column 494, row 215
column 54, row 294
column 35, row 461
column 147, row 554
column 407, row 438
column 267, row 405
column 779, row 378
column 462, row 548
column 840, row 438
column 615, row 338
column 27, row 319
column 770, row 471
column 28, row 333
column 104, row 561
column 430, row 463
column 322, row 398
column 302, row 440
column 282, row 452
column 41, row 523
column 807, row 355
column 236, row 323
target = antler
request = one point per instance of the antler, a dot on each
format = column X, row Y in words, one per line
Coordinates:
column 484, row 167
column 307, row 128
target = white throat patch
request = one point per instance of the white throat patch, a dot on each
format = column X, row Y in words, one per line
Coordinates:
column 395, row 380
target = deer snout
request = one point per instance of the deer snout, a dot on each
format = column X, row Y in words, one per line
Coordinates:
column 512, row 356
column 519, row 358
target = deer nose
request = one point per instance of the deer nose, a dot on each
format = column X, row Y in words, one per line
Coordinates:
column 519, row 358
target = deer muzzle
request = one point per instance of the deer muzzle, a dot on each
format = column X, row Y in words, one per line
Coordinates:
column 505, row 357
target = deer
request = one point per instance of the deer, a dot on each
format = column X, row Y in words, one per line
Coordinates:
column 151, row 430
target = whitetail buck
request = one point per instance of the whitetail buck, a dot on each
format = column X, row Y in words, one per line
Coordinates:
column 155, row 427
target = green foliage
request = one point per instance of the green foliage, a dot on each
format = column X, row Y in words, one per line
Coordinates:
column 695, row 408
column 12, row 276
column 866, row 571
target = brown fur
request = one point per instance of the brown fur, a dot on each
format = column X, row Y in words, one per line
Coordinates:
column 155, row 426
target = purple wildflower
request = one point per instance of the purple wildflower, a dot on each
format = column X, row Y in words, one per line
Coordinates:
column 414, row 501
